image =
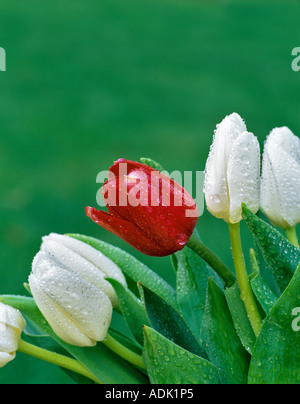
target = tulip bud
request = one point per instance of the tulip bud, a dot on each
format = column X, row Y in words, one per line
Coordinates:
column 280, row 182
column 86, row 261
column 12, row 324
column 146, row 208
column 232, row 172
column 78, row 311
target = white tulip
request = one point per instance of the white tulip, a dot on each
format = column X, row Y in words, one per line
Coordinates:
column 85, row 261
column 280, row 182
column 232, row 173
column 78, row 312
column 12, row 324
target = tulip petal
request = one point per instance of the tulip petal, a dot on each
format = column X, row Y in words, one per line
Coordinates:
column 215, row 184
column 243, row 176
column 94, row 256
column 12, row 317
column 68, row 253
column 6, row 357
column 280, row 183
column 146, row 208
column 9, row 338
column 123, row 167
column 78, row 312
column 59, row 321
column 127, row 231
column 270, row 200
column 166, row 224
column 12, row 324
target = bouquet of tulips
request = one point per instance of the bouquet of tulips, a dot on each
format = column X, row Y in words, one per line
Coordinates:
column 105, row 317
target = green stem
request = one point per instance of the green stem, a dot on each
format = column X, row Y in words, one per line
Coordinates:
column 217, row 265
column 246, row 292
column 292, row 235
column 56, row 359
column 123, row 352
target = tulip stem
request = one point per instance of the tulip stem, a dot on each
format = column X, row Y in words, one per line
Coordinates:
column 56, row 359
column 246, row 292
column 292, row 235
column 216, row 264
column 123, row 352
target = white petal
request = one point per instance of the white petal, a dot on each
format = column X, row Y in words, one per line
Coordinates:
column 12, row 324
column 215, row 184
column 12, row 317
column 280, row 184
column 6, row 357
column 85, row 260
column 80, row 265
column 269, row 193
column 78, row 312
column 61, row 324
column 9, row 338
column 243, row 175
column 91, row 254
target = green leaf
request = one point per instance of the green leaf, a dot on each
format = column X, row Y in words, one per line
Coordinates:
column 168, row 363
column 132, row 310
column 132, row 268
column 259, row 265
column 167, row 321
column 220, row 340
column 276, row 357
column 264, row 294
column 240, row 317
column 281, row 256
column 48, row 343
column 254, row 262
column 103, row 363
column 191, row 284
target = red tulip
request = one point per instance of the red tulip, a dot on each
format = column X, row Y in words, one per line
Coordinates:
column 146, row 208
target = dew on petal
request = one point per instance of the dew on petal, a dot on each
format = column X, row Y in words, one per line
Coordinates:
column 181, row 239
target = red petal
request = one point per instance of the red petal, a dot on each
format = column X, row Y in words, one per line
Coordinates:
column 167, row 224
column 158, row 229
column 128, row 232
column 118, row 170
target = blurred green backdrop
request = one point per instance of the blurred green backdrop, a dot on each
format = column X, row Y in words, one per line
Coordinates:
column 90, row 82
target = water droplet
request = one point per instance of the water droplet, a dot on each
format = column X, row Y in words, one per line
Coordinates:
column 216, row 198
column 181, row 239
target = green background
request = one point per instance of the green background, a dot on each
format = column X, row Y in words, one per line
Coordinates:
column 88, row 82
